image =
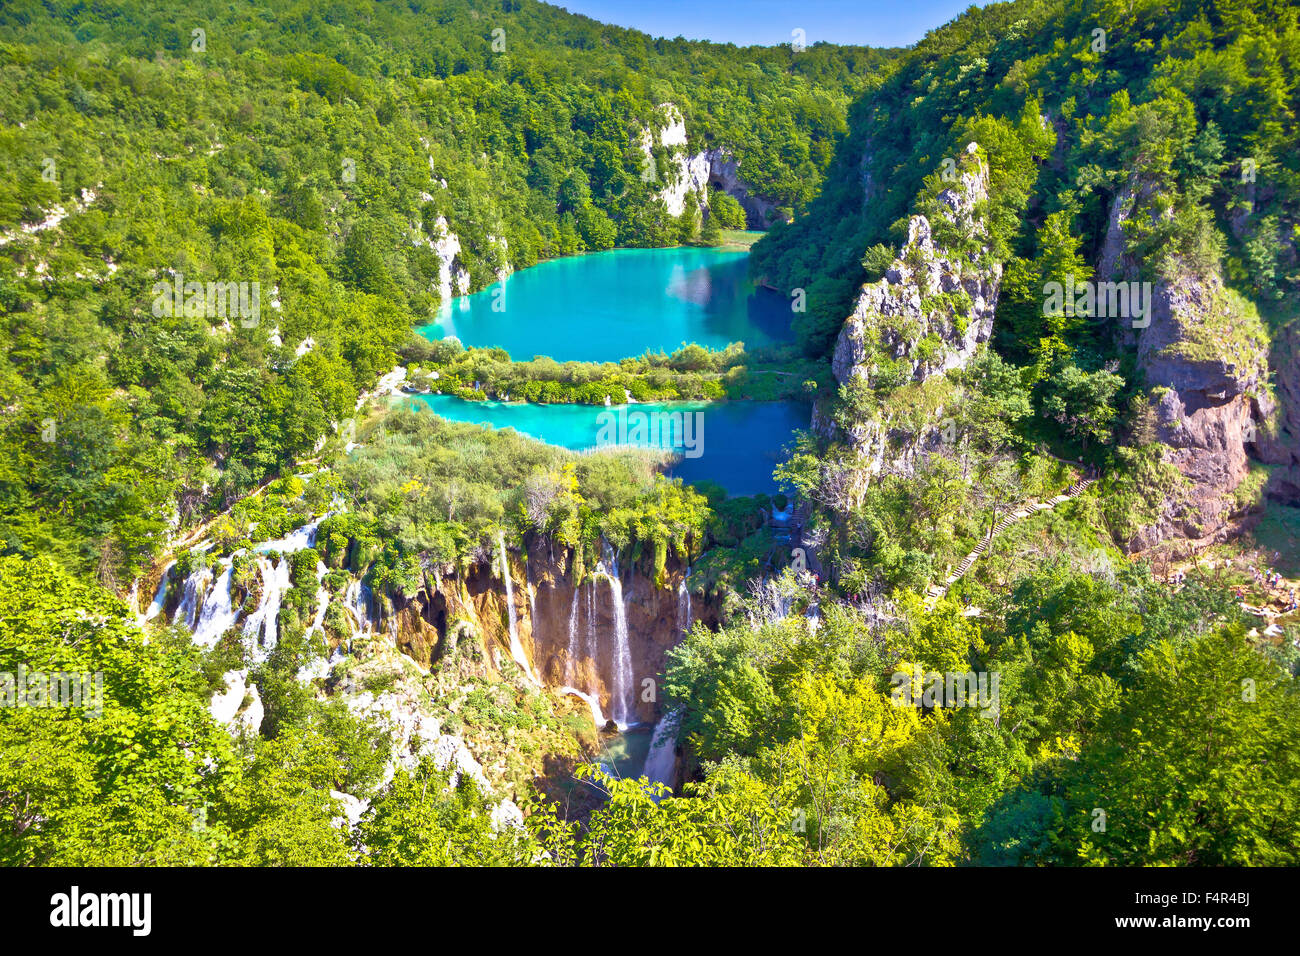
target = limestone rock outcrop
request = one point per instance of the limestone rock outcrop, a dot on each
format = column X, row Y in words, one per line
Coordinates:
column 1203, row 354
column 700, row 171
column 1204, row 358
column 930, row 313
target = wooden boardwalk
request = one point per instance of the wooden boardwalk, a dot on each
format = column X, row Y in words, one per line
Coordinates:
column 936, row 592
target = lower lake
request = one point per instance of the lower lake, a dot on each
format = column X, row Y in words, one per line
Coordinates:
column 735, row 444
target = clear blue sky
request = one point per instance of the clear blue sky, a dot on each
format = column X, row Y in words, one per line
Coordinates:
column 768, row 22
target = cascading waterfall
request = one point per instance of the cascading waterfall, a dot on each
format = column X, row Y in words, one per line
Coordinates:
column 589, row 648
column 621, row 703
column 160, row 595
column 205, row 606
column 217, row 615
column 356, row 602
column 592, row 702
column 516, row 649
column 295, row 540
column 262, row 626
column 684, row 604
column 571, row 663
column 590, row 645
column 192, row 597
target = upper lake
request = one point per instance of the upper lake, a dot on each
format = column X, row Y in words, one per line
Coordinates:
column 606, row 306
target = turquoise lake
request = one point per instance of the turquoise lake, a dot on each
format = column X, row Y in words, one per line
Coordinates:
column 738, row 443
column 606, row 306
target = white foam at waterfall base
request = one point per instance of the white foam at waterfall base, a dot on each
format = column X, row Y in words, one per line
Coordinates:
column 516, row 649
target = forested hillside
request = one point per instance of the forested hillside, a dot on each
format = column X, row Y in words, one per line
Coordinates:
column 1198, row 96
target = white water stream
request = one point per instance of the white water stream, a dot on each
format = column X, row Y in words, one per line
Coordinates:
column 516, row 648
column 622, row 693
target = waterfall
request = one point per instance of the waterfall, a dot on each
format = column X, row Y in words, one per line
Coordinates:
column 590, row 645
column 261, row 626
column 356, row 602
column 217, row 615
column 160, row 595
column 593, row 703
column 516, row 649
column 661, row 761
column 295, row 540
column 192, row 597
column 571, row 664
column 622, row 694
column 205, row 606
column 684, row 605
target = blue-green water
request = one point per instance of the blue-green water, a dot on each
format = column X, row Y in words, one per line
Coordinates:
column 607, row 306
column 735, row 444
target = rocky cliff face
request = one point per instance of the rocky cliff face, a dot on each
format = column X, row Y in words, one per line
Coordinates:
column 698, row 172
column 1203, row 355
column 1280, row 444
column 930, row 313
column 1204, row 358
column 569, row 634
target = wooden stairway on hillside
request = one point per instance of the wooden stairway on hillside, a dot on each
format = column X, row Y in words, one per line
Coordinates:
column 936, row 591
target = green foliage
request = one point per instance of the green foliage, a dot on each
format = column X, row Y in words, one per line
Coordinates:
column 146, row 777
column 435, row 491
column 1167, row 115
column 691, row 373
column 726, row 210
column 419, row 821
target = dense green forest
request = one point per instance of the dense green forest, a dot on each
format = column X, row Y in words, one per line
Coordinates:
column 1187, row 93
column 1109, row 691
column 1143, row 710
